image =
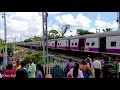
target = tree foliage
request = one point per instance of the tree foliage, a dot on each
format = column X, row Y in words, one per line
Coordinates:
column 107, row 30
column 1, row 45
column 83, row 32
column 36, row 57
column 53, row 34
column 34, row 39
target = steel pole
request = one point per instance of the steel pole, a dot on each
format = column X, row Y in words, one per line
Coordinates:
column 43, row 40
column 46, row 40
column 5, row 34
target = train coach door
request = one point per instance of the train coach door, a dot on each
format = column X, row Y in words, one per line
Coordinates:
column 55, row 44
column 69, row 44
column 81, row 44
column 102, row 43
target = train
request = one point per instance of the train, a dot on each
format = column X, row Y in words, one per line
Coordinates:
column 105, row 42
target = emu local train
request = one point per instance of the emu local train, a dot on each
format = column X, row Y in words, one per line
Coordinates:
column 106, row 42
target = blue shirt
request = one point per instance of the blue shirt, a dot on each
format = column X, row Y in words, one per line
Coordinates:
column 39, row 74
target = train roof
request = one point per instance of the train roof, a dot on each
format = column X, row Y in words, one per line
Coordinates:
column 103, row 34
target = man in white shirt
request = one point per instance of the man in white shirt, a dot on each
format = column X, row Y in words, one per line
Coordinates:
column 96, row 65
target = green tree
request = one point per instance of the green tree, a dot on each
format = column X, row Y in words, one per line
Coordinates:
column 37, row 38
column 53, row 34
column 28, row 40
column 107, row 30
column 1, row 45
column 34, row 39
column 83, row 32
column 36, row 57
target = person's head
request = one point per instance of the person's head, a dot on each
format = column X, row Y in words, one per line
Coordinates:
column 106, row 58
column 23, row 64
column 96, row 58
column 118, row 59
column 83, row 62
column 75, row 70
column 9, row 67
column 18, row 62
column 38, row 66
column 31, row 61
column 70, row 60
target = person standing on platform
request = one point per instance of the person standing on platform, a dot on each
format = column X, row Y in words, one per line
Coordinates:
column 89, row 61
column 85, row 69
column 75, row 72
column 31, row 69
column 22, row 72
column 69, row 66
column 17, row 66
column 9, row 72
column 117, row 66
column 39, row 71
column 97, row 67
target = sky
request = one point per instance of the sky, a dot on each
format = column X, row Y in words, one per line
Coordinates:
column 24, row 25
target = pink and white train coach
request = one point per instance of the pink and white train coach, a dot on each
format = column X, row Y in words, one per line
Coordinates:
column 106, row 42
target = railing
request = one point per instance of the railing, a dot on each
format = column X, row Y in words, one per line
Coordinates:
column 55, row 67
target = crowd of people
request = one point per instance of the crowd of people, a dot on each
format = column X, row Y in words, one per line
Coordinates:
column 88, row 68
column 20, row 70
column 94, row 68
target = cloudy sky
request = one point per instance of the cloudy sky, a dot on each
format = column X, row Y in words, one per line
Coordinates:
column 28, row 24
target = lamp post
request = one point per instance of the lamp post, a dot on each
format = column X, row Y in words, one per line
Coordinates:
column 5, row 41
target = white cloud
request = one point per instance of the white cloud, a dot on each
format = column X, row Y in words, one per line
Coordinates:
column 102, row 24
column 66, row 19
column 83, row 21
column 23, row 24
column 28, row 24
column 80, row 21
column 92, row 30
column 69, row 33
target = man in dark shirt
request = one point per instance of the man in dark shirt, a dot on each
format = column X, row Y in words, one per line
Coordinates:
column 22, row 72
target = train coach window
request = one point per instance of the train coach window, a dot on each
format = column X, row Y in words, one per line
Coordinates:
column 58, row 43
column 113, row 44
column 72, row 44
column 87, row 44
column 75, row 44
column 93, row 43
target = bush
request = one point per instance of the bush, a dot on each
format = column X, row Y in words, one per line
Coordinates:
column 36, row 57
